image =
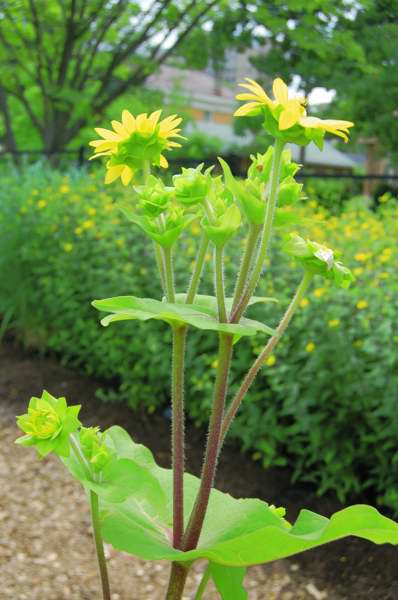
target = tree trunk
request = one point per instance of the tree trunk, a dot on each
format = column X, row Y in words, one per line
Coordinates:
column 10, row 144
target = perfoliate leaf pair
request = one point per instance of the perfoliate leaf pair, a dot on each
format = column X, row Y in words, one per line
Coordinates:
column 192, row 186
column 236, row 533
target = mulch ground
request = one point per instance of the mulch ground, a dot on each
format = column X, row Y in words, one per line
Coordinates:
column 46, row 551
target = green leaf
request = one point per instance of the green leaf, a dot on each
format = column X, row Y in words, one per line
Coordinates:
column 210, row 302
column 236, row 533
column 229, row 581
column 126, row 308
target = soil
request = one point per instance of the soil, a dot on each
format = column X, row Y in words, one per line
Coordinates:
column 46, row 551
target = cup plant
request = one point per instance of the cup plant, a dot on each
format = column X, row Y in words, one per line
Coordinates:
column 161, row 514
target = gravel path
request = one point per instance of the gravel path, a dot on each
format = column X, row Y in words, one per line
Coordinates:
column 46, row 550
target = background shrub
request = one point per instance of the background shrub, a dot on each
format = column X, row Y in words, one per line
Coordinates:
column 325, row 404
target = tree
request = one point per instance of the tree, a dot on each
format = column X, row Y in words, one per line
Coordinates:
column 64, row 61
column 353, row 49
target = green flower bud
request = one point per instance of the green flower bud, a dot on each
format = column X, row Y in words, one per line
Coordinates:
column 319, row 260
column 94, row 448
column 290, row 192
column 261, row 165
column 48, row 424
column 166, row 229
column 153, row 197
column 224, row 224
column 192, row 186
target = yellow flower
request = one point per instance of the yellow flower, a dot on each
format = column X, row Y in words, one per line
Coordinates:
column 334, row 323
column 41, row 204
column 358, row 271
column 88, row 224
column 270, row 361
column 304, row 303
column 310, row 347
column 319, row 292
column 361, row 304
column 135, row 141
column 68, row 247
column 91, row 211
column 362, row 256
column 64, row 189
column 120, row 242
column 78, row 231
column 288, row 112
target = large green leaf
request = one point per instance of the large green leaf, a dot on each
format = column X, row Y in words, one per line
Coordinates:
column 209, row 303
column 125, row 308
column 229, row 581
column 236, row 532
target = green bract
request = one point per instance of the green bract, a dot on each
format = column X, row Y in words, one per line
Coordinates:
column 48, row 424
column 261, row 165
column 94, row 448
column 192, row 186
column 201, row 316
column 249, row 195
column 224, row 226
column 236, row 533
column 166, row 229
column 153, row 197
column 319, row 260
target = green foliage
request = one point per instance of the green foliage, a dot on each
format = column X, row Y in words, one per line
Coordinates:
column 330, row 414
column 236, row 533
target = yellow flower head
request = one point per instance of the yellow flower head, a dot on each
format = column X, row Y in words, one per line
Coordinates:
column 287, row 114
column 134, row 141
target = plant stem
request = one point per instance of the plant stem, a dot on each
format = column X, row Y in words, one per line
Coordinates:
column 258, row 363
column 178, row 577
column 159, row 262
column 99, row 546
column 203, row 583
column 178, row 433
column 247, row 258
column 219, row 284
column 197, row 272
column 169, row 275
column 266, row 234
column 194, row 528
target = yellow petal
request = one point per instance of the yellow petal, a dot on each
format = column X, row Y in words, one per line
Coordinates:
column 126, row 175
column 107, row 134
column 163, row 162
column 246, row 109
column 128, row 121
column 118, row 127
column 258, row 92
column 287, row 119
column 104, row 145
column 99, row 154
column 113, row 173
column 280, row 90
column 154, row 117
column 246, row 97
column 173, row 145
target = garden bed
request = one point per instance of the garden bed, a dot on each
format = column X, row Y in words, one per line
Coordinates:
column 46, row 551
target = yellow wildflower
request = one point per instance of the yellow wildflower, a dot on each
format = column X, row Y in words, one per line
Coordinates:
column 358, row 271
column 362, row 256
column 78, row 231
column 271, row 360
column 334, row 323
column 88, row 224
column 361, row 304
column 64, row 189
column 68, row 247
column 135, row 141
column 319, row 292
column 287, row 112
column 91, row 211
column 41, row 204
column 120, row 242
column 310, row 347
column 304, row 303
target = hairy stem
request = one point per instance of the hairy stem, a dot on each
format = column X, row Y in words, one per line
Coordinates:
column 266, row 234
column 194, row 528
column 258, row 363
column 178, row 433
column 169, row 274
column 178, row 577
column 99, row 546
column 160, row 265
column 247, row 259
column 197, row 272
column 219, row 284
